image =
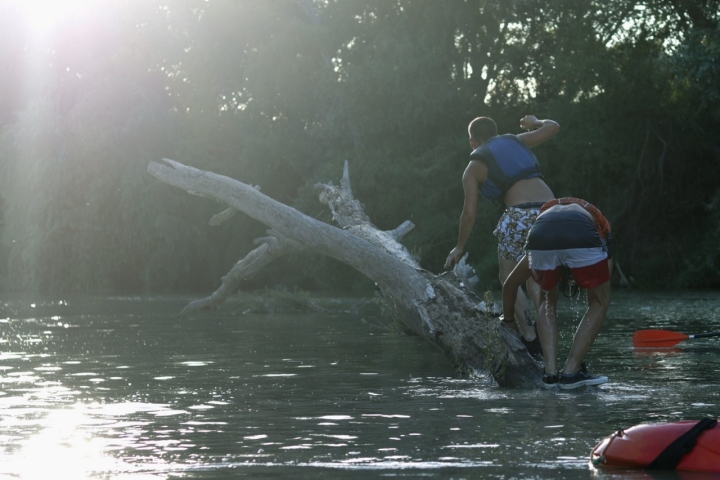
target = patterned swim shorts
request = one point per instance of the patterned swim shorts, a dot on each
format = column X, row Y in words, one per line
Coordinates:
column 512, row 231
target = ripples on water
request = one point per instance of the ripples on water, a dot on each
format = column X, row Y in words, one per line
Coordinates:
column 120, row 388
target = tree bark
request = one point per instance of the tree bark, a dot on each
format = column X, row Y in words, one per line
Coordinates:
column 441, row 308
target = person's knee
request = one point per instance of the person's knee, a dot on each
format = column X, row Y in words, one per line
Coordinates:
column 600, row 296
column 548, row 301
column 506, row 268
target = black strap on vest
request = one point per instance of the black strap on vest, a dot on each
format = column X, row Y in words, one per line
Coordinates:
column 671, row 456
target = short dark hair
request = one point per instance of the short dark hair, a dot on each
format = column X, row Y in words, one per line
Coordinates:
column 482, row 128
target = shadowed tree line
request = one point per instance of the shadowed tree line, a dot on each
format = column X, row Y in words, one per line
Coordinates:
column 278, row 93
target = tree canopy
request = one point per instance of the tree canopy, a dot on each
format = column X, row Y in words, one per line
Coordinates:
column 279, row 93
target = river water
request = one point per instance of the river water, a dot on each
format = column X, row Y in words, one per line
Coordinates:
column 120, row 388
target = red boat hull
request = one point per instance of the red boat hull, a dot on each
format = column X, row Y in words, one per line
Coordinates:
column 638, row 446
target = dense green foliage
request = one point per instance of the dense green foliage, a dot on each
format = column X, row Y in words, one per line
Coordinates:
column 278, row 93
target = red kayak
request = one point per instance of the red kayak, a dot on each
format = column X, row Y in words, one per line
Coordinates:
column 690, row 445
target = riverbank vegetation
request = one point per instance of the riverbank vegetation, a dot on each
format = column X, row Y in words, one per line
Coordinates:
column 279, row 93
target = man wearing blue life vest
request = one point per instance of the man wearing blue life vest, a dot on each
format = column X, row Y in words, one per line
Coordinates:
column 569, row 237
column 505, row 171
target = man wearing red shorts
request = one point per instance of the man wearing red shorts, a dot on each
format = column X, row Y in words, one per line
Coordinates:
column 568, row 234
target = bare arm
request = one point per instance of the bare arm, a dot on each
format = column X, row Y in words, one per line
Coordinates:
column 475, row 173
column 517, row 277
column 542, row 130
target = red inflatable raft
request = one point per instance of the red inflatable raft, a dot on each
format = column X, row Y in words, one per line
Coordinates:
column 689, row 445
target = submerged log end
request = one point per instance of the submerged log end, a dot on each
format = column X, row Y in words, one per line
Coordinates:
column 477, row 344
column 206, row 303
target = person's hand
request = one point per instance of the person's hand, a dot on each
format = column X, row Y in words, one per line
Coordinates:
column 529, row 122
column 454, row 256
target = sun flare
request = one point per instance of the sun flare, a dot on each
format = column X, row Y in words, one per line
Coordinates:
column 40, row 15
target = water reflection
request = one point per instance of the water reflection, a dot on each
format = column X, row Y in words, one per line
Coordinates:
column 79, row 441
column 61, row 445
column 650, row 351
column 121, row 388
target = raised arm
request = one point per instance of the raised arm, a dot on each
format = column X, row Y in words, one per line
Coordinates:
column 541, row 130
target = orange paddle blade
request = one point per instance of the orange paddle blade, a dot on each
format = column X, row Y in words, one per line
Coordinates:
column 657, row 338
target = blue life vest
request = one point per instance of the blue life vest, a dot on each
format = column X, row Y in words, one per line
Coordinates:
column 508, row 160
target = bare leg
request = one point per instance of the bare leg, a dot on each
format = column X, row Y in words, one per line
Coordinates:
column 547, row 329
column 587, row 331
column 524, row 322
column 534, row 291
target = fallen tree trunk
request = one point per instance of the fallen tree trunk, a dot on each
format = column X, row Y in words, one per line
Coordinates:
column 441, row 308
